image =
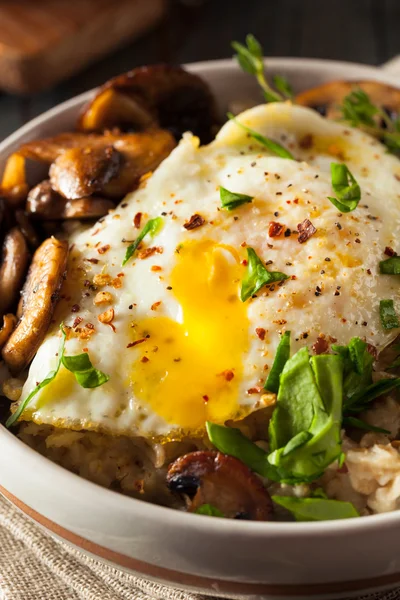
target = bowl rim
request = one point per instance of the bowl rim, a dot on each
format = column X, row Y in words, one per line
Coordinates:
column 141, row 508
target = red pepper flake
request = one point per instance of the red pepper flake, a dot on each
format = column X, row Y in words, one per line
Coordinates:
column 92, row 260
column 372, row 350
column 244, row 262
column 155, row 305
column 358, row 241
column 275, row 229
column 136, row 220
column 255, row 390
column 156, row 268
column 306, row 229
column 369, row 271
column 389, row 251
column 227, row 375
column 135, row 343
column 85, row 349
column 77, row 322
column 195, row 221
column 107, row 318
column 96, row 231
column 144, row 359
column 205, row 398
column 260, row 331
column 103, row 249
column 75, row 308
column 306, row 142
column 146, row 252
column 321, row 345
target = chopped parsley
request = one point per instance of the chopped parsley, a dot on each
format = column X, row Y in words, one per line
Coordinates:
column 152, row 227
column 231, row 200
column 257, row 276
column 390, row 266
column 348, row 192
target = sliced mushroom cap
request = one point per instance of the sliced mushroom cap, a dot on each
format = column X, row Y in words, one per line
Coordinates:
column 9, row 323
column 40, row 296
column 14, row 186
column 87, row 208
column 223, row 481
column 155, row 96
column 44, row 203
column 81, row 172
column 27, row 229
column 139, row 153
column 15, row 258
column 328, row 97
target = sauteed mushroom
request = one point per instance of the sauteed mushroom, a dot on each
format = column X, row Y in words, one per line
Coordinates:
column 155, row 96
column 9, row 323
column 328, row 97
column 14, row 264
column 39, row 298
column 27, row 229
column 139, row 152
column 209, row 477
column 80, row 172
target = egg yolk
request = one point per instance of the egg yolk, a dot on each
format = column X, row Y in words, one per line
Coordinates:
column 189, row 371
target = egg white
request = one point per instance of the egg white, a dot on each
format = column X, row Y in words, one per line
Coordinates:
column 341, row 260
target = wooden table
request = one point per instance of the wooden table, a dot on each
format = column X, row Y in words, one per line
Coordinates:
column 365, row 31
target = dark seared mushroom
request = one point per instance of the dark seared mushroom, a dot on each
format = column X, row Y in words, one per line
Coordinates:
column 140, row 152
column 155, row 96
column 81, row 172
column 27, row 229
column 209, row 477
column 328, row 97
column 39, row 298
column 87, row 208
column 9, row 323
column 14, row 263
column 14, row 187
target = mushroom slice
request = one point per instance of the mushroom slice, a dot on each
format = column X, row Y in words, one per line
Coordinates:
column 72, row 173
column 80, row 172
column 27, row 229
column 327, row 98
column 87, row 208
column 9, row 323
column 14, row 263
column 159, row 95
column 40, row 295
column 14, row 187
column 44, row 203
column 209, row 477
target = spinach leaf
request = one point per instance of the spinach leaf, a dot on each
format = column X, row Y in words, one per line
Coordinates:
column 347, row 190
column 316, row 509
column 389, row 319
column 257, row 276
column 231, row 200
column 281, row 357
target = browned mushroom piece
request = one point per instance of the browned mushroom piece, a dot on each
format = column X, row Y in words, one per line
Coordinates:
column 39, row 298
column 14, row 187
column 327, row 98
column 87, row 208
column 14, row 263
column 9, row 323
column 139, row 152
column 156, row 96
column 27, row 229
column 209, row 477
column 80, row 172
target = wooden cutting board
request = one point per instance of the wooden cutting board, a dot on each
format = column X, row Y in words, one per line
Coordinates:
column 44, row 41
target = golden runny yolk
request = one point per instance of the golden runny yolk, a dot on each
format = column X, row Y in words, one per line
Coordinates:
column 188, row 376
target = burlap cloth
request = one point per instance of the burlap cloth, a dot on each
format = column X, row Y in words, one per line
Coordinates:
column 34, row 566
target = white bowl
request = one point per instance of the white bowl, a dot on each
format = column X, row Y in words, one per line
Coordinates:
column 213, row 556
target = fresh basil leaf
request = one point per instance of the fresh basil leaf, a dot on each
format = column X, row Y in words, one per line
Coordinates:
column 231, row 200
column 309, row 406
column 272, row 146
column 347, row 190
column 48, row 379
column 152, row 227
column 281, row 357
column 390, row 266
column 316, row 509
column 283, row 86
column 257, row 276
column 85, row 373
column 359, row 401
column 210, row 510
column 359, row 424
column 389, row 319
column 358, row 109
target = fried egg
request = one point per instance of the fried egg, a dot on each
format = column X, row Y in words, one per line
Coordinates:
column 169, row 328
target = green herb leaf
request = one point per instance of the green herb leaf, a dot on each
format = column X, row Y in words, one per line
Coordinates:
column 392, row 141
column 152, row 227
column 272, row 146
column 347, row 190
column 210, row 510
column 48, row 379
column 281, row 357
column 283, row 86
column 389, row 319
column 304, row 431
column 85, row 373
column 316, row 509
column 257, row 276
column 390, row 266
column 359, row 424
column 358, row 109
column 359, row 401
column 357, row 367
column 231, row 200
